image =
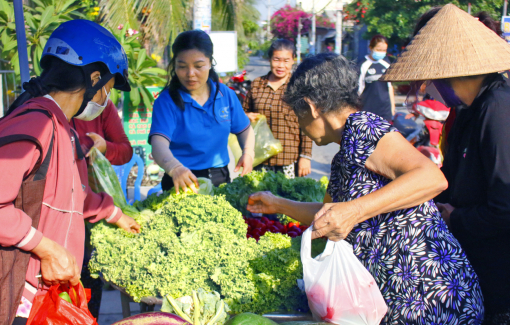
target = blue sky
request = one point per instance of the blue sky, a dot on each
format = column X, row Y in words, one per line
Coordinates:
column 276, row 4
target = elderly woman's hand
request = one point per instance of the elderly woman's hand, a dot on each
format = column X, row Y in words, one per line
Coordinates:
column 336, row 220
column 262, row 202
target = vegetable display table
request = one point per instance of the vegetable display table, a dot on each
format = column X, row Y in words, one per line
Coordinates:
column 148, row 304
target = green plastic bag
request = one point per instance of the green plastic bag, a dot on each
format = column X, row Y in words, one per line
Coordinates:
column 266, row 145
column 102, row 178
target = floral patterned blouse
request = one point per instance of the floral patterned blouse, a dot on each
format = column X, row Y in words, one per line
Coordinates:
column 420, row 268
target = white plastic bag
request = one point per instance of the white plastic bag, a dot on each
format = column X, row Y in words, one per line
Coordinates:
column 339, row 288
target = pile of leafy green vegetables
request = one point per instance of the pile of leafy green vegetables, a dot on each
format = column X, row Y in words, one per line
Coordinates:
column 300, row 189
column 193, row 241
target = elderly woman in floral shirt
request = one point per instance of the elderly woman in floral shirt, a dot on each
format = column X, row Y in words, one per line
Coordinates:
column 381, row 188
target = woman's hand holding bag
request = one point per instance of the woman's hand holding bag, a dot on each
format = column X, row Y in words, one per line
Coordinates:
column 339, row 288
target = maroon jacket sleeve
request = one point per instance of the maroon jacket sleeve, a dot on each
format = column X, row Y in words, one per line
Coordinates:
column 118, row 148
column 16, row 162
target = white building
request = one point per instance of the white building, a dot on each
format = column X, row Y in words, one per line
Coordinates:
column 320, row 5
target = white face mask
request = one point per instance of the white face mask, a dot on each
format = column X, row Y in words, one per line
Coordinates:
column 93, row 109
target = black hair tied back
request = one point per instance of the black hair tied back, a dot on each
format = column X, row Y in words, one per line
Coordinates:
column 56, row 76
column 190, row 40
column 35, row 87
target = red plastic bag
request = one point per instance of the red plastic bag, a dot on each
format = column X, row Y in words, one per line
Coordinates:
column 50, row 309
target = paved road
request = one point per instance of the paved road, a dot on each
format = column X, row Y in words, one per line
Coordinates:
column 257, row 67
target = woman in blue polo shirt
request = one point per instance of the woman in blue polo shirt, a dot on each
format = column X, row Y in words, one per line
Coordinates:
column 193, row 117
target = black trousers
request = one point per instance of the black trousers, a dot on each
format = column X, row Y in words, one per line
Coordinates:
column 216, row 175
column 20, row 321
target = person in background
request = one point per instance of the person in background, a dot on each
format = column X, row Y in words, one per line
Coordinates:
column 379, row 200
column 106, row 133
column 377, row 97
column 193, row 118
column 81, row 63
column 486, row 19
column 476, row 205
column 266, row 97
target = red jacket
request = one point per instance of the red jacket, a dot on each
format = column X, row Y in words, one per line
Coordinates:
column 68, row 199
column 109, row 126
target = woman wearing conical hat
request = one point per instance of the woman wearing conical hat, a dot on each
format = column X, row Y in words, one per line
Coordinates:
column 460, row 59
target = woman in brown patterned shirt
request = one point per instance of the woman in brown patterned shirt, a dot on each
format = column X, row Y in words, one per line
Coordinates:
column 266, row 98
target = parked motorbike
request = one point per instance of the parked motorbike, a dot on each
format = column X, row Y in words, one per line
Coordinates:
column 425, row 138
column 241, row 86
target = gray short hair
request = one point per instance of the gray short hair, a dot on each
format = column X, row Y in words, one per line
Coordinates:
column 328, row 80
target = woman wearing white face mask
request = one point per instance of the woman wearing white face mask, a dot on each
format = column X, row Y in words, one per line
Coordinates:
column 376, row 96
column 44, row 196
column 105, row 132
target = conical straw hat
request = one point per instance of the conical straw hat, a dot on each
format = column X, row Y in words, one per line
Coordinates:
column 452, row 44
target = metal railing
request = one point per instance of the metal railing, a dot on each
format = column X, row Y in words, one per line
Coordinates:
column 9, row 90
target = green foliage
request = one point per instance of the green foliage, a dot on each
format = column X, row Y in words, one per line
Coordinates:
column 40, row 20
column 159, row 21
column 387, row 17
column 264, row 47
column 90, row 8
column 143, row 69
column 199, row 241
column 300, row 189
column 253, row 45
column 250, row 27
column 241, row 16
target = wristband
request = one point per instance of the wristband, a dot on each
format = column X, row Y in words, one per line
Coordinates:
column 250, row 152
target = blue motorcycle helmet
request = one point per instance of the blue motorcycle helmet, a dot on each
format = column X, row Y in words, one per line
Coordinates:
column 82, row 42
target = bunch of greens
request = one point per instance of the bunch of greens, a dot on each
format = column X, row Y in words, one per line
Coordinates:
column 155, row 202
column 199, row 241
column 201, row 308
column 102, row 178
column 300, row 189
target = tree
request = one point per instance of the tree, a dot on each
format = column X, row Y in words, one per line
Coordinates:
column 243, row 16
column 143, row 70
column 160, row 21
column 395, row 19
column 41, row 19
column 284, row 22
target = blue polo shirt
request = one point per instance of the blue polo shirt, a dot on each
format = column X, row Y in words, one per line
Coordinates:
column 198, row 136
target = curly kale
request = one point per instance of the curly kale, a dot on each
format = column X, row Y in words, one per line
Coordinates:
column 300, row 189
column 199, row 241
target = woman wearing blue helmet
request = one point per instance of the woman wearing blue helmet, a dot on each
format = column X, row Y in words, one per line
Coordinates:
column 44, row 196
